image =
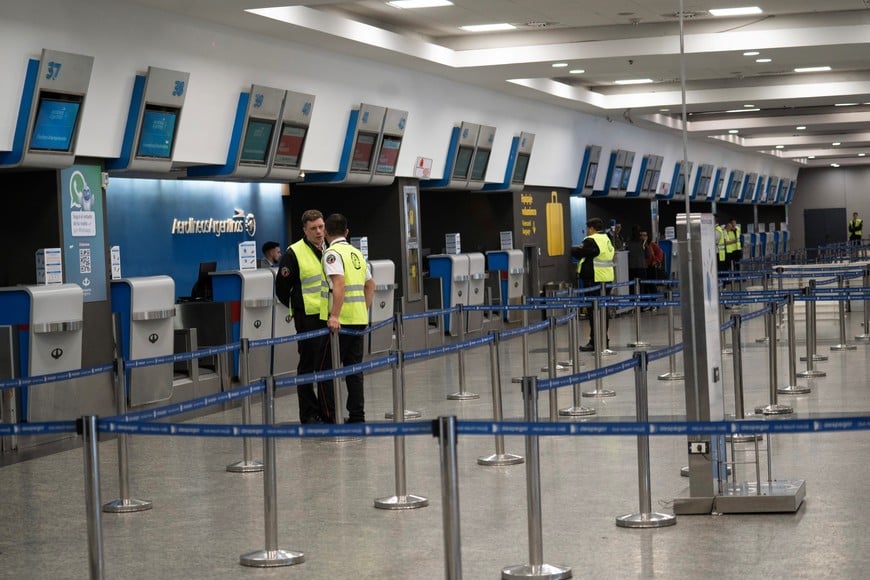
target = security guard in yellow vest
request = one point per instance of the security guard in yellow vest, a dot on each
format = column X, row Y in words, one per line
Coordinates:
column 298, row 287
column 346, row 298
column 595, row 266
column 856, row 229
column 737, row 246
column 720, row 248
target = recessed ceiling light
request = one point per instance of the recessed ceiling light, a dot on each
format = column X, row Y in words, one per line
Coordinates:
column 751, row 53
column 801, row 127
column 742, row 110
column 862, row 155
column 633, row 82
column 741, row 11
column 845, row 104
column 664, row 110
column 811, row 156
column 577, row 71
column 835, row 164
column 813, row 69
column 487, row 27
column 410, row 4
column 560, row 65
column 733, row 131
column 749, row 106
column 780, row 146
column 836, row 143
column 763, row 60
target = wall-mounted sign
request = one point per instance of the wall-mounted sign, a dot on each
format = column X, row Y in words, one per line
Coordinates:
column 82, row 208
column 239, row 223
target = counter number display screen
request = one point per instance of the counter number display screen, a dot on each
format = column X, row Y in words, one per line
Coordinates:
column 157, row 135
column 626, row 175
column 290, row 144
column 591, row 172
column 388, row 157
column 57, row 117
column 521, row 167
column 463, row 162
column 363, row 150
column 647, row 178
column 258, row 139
column 616, row 178
column 481, row 162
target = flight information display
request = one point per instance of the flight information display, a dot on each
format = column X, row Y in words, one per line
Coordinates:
column 56, row 119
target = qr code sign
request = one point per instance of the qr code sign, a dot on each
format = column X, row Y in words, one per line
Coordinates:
column 84, row 260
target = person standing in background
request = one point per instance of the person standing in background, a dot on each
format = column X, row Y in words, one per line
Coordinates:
column 595, row 266
column 271, row 255
column 856, row 227
column 737, row 253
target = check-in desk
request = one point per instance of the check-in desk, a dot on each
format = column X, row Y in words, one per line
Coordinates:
column 506, row 273
column 453, row 271
column 200, row 324
column 383, row 306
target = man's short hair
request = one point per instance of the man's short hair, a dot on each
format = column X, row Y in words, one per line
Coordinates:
column 310, row 215
column 596, row 223
column 269, row 246
column 336, row 224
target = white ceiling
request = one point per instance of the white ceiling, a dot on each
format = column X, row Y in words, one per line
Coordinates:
column 618, row 39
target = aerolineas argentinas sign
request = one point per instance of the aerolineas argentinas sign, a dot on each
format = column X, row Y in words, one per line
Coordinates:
column 237, row 224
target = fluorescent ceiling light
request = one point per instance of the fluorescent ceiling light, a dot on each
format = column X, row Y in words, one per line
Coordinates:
column 733, row 131
column 836, row 143
column 780, row 146
column 560, row 65
column 862, row 155
column 801, row 127
column 763, row 60
column 410, row 4
column 742, row 110
column 835, row 164
column 812, row 69
column 749, row 106
column 577, row 71
column 742, row 11
column 811, row 156
column 845, row 104
column 487, row 27
column 664, row 110
column 633, row 82
column 751, row 53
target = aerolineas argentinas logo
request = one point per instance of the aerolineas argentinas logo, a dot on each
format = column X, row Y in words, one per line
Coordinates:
column 239, row 223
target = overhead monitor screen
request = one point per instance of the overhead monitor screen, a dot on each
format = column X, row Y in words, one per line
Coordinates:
column 157, row 134
column 290, row 144
column 388, row 158
column 626, row 176
column 616, row 178
column 57, row 116
column 258, row 139
column 717, row 187
column 647, row 178
column 590, row 175
column 520, row 168
column 478, row 168
column 463, row 162
column 681, row 184
column 654, row 181
column 363, row 151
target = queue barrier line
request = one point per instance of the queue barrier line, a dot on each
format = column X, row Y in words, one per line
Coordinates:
column 619, row 284
column 665, row 352
column 586, row 376
column 54, row 377
column 180, row 357
column 562, row 320
column 430, row 313
column 192, row 404
column 586, row 290
column 447, row 348
column 42, row 428
column 330, row 374
column 284, row 339
column 530, row 329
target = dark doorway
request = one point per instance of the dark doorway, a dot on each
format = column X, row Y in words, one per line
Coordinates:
column 823, row 226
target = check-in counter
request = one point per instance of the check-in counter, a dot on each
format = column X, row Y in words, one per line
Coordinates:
column 453, row 270
column 200, row 324
column 145, row 308
column 383, row 305
column 506, row 273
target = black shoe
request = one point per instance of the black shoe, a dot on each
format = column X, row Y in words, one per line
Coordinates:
column 587, row 347
column 312, row 419
column 355, row 420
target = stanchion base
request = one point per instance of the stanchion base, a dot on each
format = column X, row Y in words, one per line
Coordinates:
column 684, row 471
column 727, row 351
column 763, row 340
column 774, row 410
column 545, row 571
column 560, row 366
column 839, row 347
column 863, row 337
column 409, row 414
column 794, row 390
column 580, row 411
column 638, row 344
column 126, row 506
column 401, row 502
column 499, row 459
column 674, row 376
column 342, row 439
column 651, row 520
column 462, row 396
column 744, row 438
column 810, row 374
column 608, row 352
column 271, row 558
column 245, row 466
column 816, row 357
column 600, row 393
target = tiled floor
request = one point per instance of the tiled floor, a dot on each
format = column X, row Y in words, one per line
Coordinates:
column 204, row 518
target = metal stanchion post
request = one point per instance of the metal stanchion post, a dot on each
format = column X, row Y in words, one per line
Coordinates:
column 271, row 556
column 246, row 465
column 462, row 395
column 765, row 284
column 525, row 341
column 725, row 348
column 536, row 568
column 399, row 326
column 576, row 409
column 866, row 324
column 402, row 500
column 774, row 408
column 737, row 366
column 792, row 388
column 603, row 345
column 445, row 430
column 499, row 457
column 841, row 308
column 638, row 343
column 553, row 395
column 645, row 518
column 812, row 357
column 91, row 448
column 600, row 339
column 673, row 374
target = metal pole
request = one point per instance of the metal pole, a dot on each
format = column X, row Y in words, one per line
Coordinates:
column 462, row 395
column 525, row 341
column 536, row 567
column 91, row 448
column 335, row 351
column 739, row 407
column 446, row 433
column 638, row 343
column 399, row 326
column 500, row 457
column 271, row 556
column 792, row 388
column 725, row 348
column 553, row 395
column 812, row 357
column 604, row 337
column 765, row 284
column 246, row 465
column 645, row 518
column 673, row 374
column 576, row 409
column 866, row 284
column 841, row 307
column 600, row 339
column 402, row 500
column 774, row 408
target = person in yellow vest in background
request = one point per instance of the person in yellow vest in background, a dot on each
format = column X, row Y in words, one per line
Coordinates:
column 346, row 298
column 720, row 248
column 731, row 242
column 855, row 229
column 595, row 255
column 737, row 252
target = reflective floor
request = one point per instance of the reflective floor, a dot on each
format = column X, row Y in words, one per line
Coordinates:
column 204, row 518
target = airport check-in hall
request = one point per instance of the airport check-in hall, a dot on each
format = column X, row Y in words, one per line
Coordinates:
column 434, row 289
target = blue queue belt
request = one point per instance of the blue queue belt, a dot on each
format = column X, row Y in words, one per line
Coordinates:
column 547, row 384
column 184, row 356
column 532, row 328
column 447, row 349
column 430, row 313
column 292, row 338
column 47, row 428
column 192, row 404
column 54, row 377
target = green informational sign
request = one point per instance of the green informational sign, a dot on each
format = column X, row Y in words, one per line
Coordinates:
column 84, row 241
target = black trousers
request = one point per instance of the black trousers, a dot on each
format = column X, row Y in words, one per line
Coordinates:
column 592, row 316
column 313, row 356
column 351, row 348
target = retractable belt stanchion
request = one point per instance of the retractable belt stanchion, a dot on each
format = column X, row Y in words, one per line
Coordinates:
column 91, row 448
column 499, row 457
column 645, row 518
column 737, row 366
column 402, row 500
column 773, row 408
column 673, row 374
column 725, row 348
column 576, row 409
column 765, row 284
column 525, row 341
column 638, row 343
column 335, row 350
column 462, row 395
column 841, row 309
column 553, row 395
column 246, row 465
column 792, row 388
column 812, row 357
column 600, row 339
column 400, row 346
column 866, row 324
column 445, row 430
column 271, row 556
column 536, row 568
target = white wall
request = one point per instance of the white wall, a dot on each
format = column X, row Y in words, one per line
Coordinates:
column 847, row 187
column 223, row 62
